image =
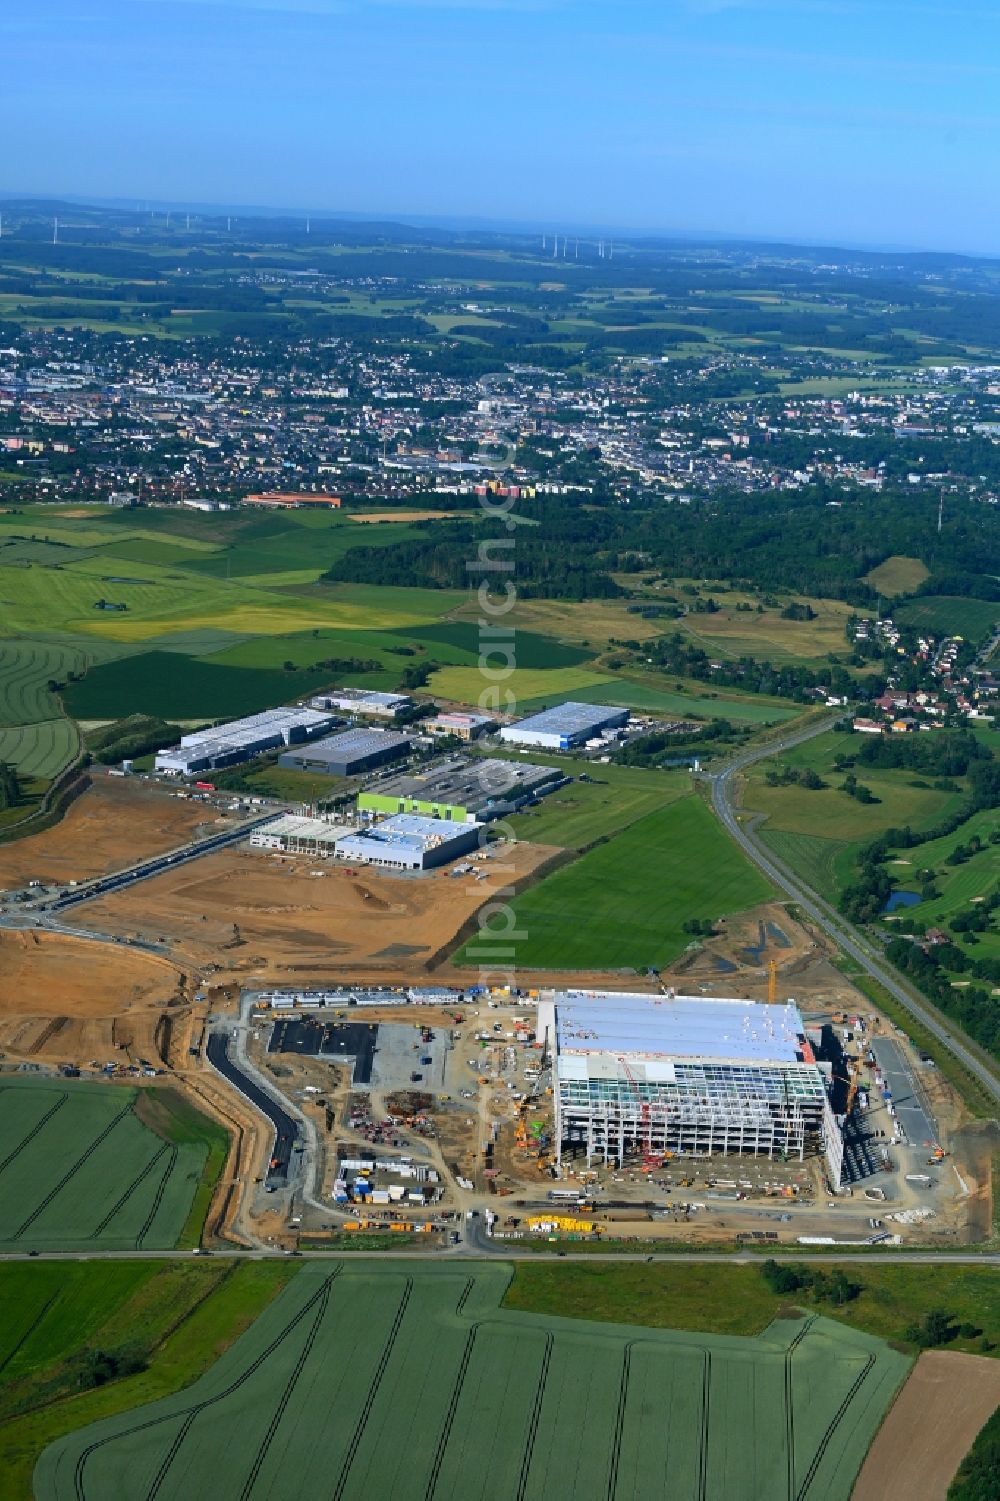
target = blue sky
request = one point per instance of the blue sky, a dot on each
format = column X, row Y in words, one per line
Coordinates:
column 849, row 121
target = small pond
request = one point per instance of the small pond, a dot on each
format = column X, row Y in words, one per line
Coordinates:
column 901, row 899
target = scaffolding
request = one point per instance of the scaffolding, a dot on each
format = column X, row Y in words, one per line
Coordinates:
column 694, row 1076
column 768, row 1115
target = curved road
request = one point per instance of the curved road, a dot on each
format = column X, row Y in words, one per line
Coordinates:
column 825, row 916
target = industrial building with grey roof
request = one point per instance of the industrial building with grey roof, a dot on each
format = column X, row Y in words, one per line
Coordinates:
column 565, row 725
column 240, row 739
column 462, row 788
column 348, row 753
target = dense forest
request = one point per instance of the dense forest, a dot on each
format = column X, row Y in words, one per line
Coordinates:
column 800, row 542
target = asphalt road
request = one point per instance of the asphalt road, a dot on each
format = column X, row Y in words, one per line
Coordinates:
column 509, row 1252
column 285, row 1130
column 826, row 917
column 915, row 1118
column 152, row 867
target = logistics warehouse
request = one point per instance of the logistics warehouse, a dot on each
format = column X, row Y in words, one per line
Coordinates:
column 566, row 726
column 240, row 739
column 462, row 789
column 651, row 1075
column 403, row 842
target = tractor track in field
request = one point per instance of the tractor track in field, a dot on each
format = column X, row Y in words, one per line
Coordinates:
column 130, row 1190
column 39, row 1316
column 286, row 1395
column 449, row 1418
column 706, row 1407
column 373, row 1390
column 536, row 1414
column 71, row 1173
column 190, row 1413
column 154, row 1208
column 790, row 1404
column 616, row 1441
column 832, row 1427
column 36, row 1128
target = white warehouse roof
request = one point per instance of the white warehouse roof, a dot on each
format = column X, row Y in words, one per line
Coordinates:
column 657, row 1028
column 410, row 831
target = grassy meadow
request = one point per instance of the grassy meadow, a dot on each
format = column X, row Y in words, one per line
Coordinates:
column 622, row 905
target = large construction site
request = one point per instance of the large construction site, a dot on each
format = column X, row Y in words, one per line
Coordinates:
column 698, row 1104
column 459, row 1109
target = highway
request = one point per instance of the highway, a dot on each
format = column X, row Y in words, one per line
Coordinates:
column 825, row 916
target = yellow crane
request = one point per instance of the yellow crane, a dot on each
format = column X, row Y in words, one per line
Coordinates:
column 772, row 982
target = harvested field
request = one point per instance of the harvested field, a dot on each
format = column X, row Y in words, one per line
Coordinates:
column 369, row 516
column 116, row 821
column 300, row 919
column 412, row 1382
column 930, row 1428
column 67, row 1000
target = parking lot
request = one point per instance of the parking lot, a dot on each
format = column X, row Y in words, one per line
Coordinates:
column 399, row 1060
column 337, row 1041
column 909, row 1099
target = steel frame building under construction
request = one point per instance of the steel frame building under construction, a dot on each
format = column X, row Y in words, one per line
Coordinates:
column 647, row 1075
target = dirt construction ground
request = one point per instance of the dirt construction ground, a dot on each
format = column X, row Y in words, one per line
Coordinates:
column 930, row 1428
column 66, row 1000
column 289, row 920
column 116, row 821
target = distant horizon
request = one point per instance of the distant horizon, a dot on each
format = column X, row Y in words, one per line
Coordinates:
column 821, row 122
column 455, row 222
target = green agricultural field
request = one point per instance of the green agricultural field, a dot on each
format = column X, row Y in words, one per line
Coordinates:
column 173, row 686
column 95, row 1166
column 300, row 548
column 949, row 615
column 530, row 650
column 34, row 737
column 180, row 552
column 40, row 751
column 165, row 1321
column 159, row 599
column 412, row 1382
column 67, row 598
column 648, row 698
column 530, row 686
column 725, row 1298
column 51, row 1311
column 733, row 633
column 897, row 575
column 26, row 667
column 625, row 902
column 613, row 797
column 538, row 688
column 20, row 552
column 306, row 648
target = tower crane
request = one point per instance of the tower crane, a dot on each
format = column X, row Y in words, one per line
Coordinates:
column 649, row 1158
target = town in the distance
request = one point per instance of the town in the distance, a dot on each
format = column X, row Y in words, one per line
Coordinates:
column 499, row 863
